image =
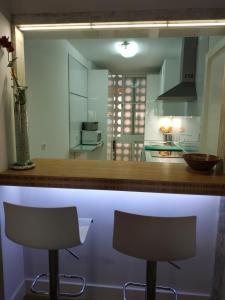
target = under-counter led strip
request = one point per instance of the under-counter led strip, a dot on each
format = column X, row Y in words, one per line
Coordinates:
column 123, row 25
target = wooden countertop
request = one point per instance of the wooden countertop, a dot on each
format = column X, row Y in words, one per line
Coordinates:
column 116, row 175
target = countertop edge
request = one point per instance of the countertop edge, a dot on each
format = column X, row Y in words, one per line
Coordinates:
column 154, row 186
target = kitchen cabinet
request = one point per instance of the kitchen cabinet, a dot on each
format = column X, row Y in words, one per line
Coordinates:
column 169, row 78
column 78, row 87
column 169, row 74
column 213, row 121
column 97, row 107
column 151, row 108
column 78, row 77
column 77, row 116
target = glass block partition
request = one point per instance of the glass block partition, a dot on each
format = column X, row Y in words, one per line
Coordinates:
column 126, row 115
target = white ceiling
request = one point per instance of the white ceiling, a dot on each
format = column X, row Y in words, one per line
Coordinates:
column 155, row 45
column 152, row 52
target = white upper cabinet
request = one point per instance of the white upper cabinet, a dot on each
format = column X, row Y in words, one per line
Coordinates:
column 170, row 74
column 78, row 78
column 97, row 107
column 213, row 117
column 169, row 78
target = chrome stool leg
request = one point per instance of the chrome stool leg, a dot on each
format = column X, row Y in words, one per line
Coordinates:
column 53, row 274
column 66, row 294
column 158, row 287
column 53, row 277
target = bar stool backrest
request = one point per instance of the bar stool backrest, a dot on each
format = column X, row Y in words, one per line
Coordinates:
column 42, row 228
column 155, row 238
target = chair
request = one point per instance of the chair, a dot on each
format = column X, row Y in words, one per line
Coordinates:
column 47, row 228
column 154, row 239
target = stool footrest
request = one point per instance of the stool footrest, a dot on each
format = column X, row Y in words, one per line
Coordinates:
column 61, row 293
column 82, row 279
column 33, row 289
column 158, row 287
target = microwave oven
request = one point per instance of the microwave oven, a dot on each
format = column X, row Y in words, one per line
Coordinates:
column 91, row 137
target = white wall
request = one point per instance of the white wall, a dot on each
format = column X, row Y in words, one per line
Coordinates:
column 6, row 103
column 48, row 95
column 12, row 254
column 4, row 99
column 101, row 264
column 52, row 6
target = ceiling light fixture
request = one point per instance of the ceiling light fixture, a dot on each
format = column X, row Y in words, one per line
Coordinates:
column 123, row 25
column 196, row 23
column 52, row 27
column 127, row 49
column 134, row 25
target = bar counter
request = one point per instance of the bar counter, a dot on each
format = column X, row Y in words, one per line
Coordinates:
column 117, row 175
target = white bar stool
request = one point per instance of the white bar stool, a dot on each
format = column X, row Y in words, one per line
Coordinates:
column 47, row 228
column 154, row 239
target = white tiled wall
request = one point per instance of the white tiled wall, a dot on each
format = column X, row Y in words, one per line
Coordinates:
column 190, row 129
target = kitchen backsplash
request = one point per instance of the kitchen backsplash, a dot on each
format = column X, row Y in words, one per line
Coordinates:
column 183, row 128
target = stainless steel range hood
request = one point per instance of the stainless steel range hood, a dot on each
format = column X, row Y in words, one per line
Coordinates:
column 186, row 89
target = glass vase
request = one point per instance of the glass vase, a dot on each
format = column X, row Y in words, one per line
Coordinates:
column 23, row 160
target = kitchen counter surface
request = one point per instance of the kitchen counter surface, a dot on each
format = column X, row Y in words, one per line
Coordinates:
column 149, row 157
column 116, row 175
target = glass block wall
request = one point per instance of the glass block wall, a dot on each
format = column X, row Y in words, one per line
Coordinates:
column 126, row 104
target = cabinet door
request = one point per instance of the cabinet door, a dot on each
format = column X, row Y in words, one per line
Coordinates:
column 78, row 114
column 78, row 77
column 170, row 77
column 170, row 74
column 97, row 107
column 213, row 125
column 153, row 107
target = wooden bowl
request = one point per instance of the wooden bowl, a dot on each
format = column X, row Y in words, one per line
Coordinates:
column 201, row 161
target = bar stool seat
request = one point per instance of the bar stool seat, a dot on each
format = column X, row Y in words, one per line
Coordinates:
column 154, row 239
column 51, row 229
